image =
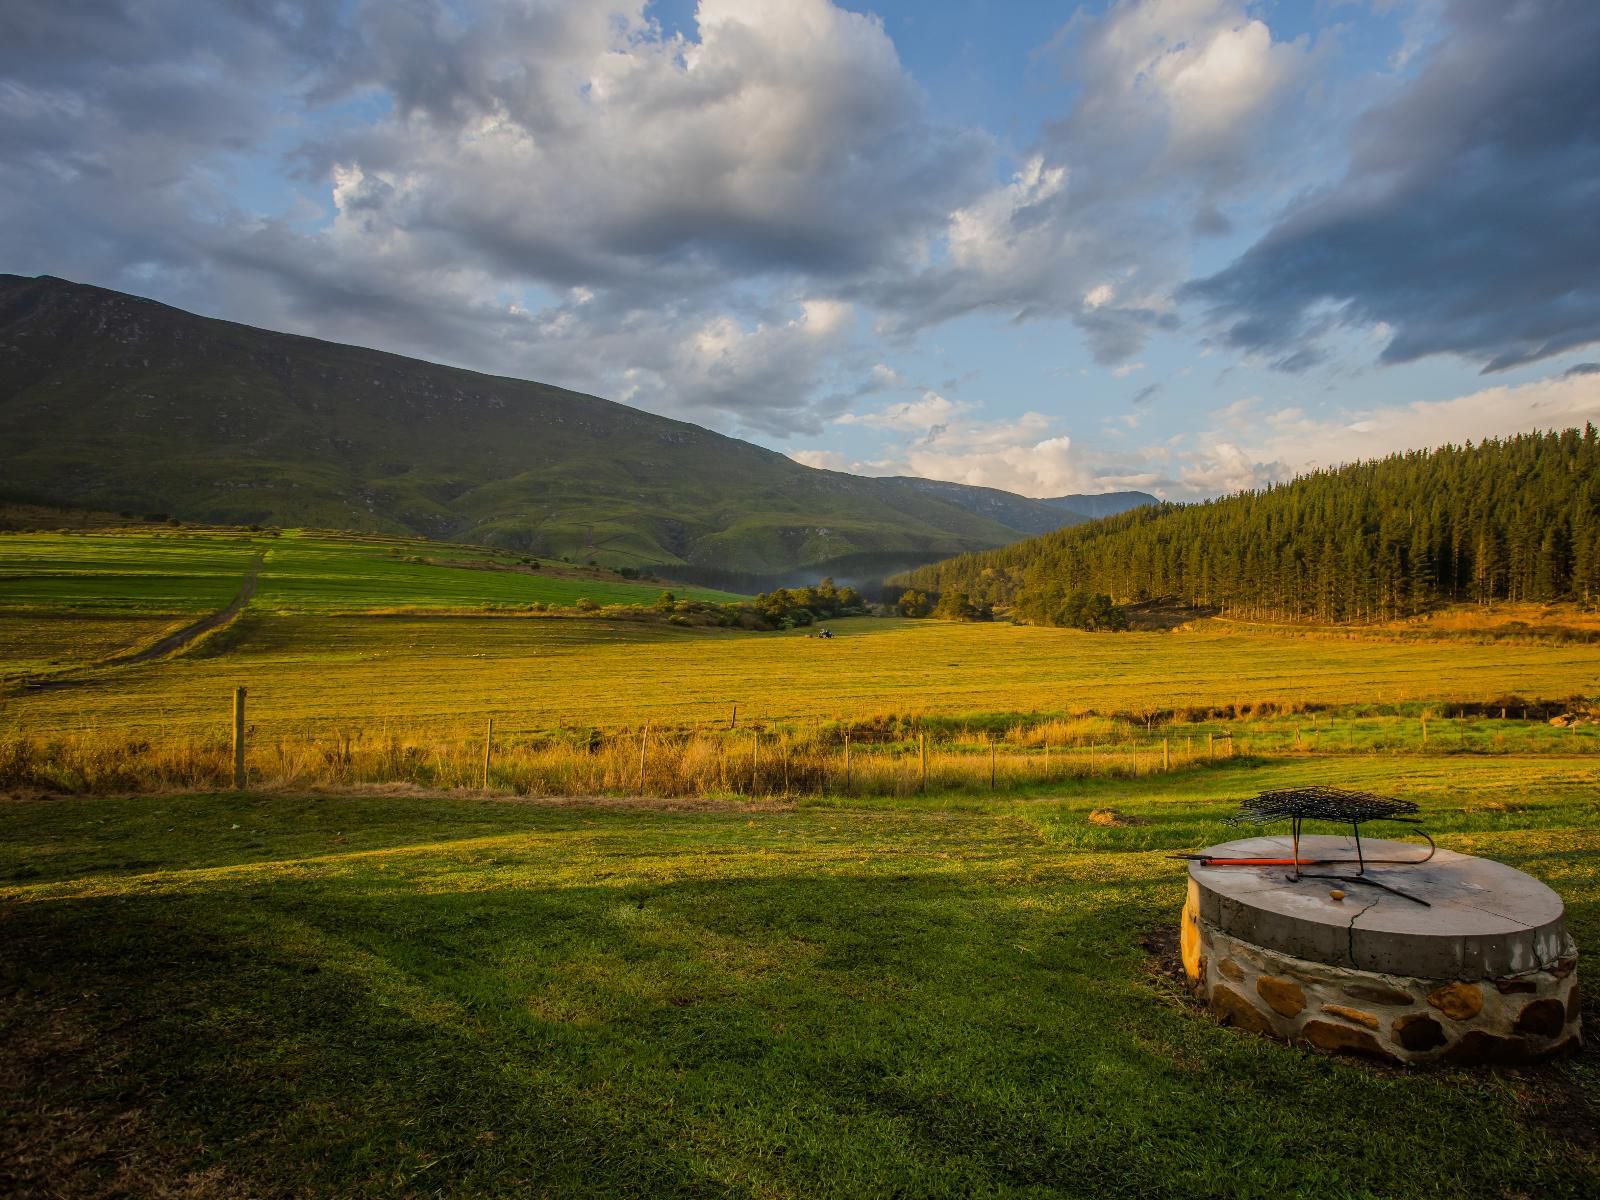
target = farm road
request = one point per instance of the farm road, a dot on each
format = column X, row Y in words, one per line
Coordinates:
column 176, row 641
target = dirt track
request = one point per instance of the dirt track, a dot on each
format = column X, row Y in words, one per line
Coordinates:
column 176, row 641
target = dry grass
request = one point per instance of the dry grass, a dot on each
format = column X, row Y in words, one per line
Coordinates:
column 439, row 675
column 700, row 764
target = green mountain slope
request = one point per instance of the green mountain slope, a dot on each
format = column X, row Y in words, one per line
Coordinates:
column 1515, row 520
column 121, row 403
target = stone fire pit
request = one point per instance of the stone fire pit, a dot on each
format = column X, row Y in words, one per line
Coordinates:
column 1486, row 974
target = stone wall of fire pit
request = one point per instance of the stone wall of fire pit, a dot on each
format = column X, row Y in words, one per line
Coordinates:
column 1484, row 973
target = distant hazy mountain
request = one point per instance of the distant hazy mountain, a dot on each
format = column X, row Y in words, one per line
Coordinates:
column 1022, row 513
column 1107, row 504
column 117, row 402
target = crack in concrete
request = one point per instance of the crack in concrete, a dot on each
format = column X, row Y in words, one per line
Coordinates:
column 1350, row 933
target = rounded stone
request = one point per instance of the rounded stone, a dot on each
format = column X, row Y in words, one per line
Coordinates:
column 1352, row 1014
column 1235, row 1010
column 1542, row 1018
column 1483, row 919
column 1419, row 1032
column 1377, row 994
column 1341, row 1039
column 1458, row 1001
column 1231, row 969
column 1478, row 1046
column 1284, row 996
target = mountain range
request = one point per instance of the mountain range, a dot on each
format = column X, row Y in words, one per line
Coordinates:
column 118, row 402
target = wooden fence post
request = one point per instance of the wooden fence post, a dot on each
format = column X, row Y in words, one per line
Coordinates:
column 847, row 762
column 1424, row 731
column 488, row 752
column 991, row 764
column 1211, row 745
column 733, row 721
column 755, row 758
column 238, row 739
column 644, row 740
column 922, row 741
column 1166, row 754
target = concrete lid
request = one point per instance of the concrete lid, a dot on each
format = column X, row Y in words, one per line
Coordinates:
column 1484, row 920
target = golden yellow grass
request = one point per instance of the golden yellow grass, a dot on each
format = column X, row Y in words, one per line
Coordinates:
column 449, row 675
column 46, row 643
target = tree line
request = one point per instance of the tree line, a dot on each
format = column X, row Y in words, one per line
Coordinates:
column 1516, row 519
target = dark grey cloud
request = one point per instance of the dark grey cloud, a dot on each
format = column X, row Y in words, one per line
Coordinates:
column 1467, row 220
column 1583, row 368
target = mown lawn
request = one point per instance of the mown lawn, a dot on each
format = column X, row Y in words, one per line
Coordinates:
column 417, row 996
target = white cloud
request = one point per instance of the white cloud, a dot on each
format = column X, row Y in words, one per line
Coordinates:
column 823, row 460
column 552, row 189
column 1289, row 442
column 928, row 412
column 762, row 375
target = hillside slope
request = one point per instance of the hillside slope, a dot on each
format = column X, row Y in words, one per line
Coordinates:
column 120, row 403
column 1515, row 520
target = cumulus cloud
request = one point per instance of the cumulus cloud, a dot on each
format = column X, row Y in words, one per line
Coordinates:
column 460, row 175
column 1178, row 104
column 944, row 439
column 927, row 413
column 762, row 376
column 1465, row 223
column 1250, row 448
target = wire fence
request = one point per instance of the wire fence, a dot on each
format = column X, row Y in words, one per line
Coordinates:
column 759, row 759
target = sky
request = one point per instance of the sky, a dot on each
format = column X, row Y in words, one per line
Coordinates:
column 1182, row 246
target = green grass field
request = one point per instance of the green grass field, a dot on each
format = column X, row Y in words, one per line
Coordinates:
column 180, row 571
column 396, row 995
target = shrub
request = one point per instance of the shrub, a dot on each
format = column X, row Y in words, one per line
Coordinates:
column 914, row 604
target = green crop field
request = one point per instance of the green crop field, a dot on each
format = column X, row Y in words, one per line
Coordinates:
column 396, row 995
column 183, row 572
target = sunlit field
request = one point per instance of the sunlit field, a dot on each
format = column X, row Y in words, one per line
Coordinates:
column 539, row 673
